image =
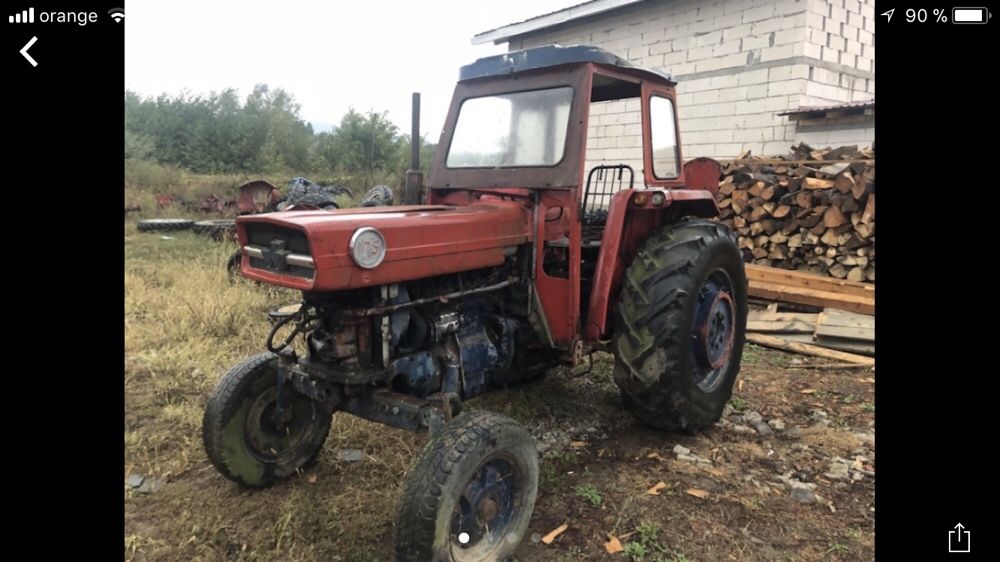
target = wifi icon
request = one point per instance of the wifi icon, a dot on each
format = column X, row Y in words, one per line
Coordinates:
column 117, row 14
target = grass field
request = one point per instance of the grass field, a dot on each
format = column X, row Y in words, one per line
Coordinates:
column 186, row 324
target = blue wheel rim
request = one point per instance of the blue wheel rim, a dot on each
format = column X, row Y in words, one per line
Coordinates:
column 486, row 507
column 714, row 331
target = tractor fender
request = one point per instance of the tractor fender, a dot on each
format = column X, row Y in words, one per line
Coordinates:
column 628, row 224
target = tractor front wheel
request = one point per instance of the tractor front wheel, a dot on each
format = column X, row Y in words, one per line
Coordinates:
column 680, row 324
column 470, row 494
column 253, row 435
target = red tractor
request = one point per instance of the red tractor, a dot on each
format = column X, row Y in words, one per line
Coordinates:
column 519, row 258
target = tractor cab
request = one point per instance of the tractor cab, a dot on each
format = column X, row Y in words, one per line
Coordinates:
column 586, row 139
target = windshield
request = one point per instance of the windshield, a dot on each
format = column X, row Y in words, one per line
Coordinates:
column 511, row 130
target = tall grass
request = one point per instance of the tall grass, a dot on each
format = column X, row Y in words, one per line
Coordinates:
column 144, row 180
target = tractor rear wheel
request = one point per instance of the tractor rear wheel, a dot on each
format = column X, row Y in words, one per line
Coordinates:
column 680, row 326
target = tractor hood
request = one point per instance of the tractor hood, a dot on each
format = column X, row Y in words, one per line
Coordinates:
column 310, row 250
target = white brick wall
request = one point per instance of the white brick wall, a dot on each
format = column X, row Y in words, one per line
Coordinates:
column 739, row 63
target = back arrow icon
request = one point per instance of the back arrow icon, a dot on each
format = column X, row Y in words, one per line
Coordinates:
column 24, row 51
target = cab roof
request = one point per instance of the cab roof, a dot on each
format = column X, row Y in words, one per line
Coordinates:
column 547, row 56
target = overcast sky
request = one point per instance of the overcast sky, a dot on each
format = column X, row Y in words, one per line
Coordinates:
column 329, row 54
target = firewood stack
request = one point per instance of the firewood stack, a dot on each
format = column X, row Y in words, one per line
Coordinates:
column 811, row 210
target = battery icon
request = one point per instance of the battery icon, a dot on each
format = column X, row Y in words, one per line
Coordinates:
column 970, row 15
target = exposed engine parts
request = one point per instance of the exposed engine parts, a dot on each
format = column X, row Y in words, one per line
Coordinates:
column 451, row 337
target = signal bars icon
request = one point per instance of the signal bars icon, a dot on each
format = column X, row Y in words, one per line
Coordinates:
column 117, row 14
column 26, row 16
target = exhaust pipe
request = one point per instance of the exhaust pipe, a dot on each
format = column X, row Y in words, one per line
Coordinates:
column 413, row 192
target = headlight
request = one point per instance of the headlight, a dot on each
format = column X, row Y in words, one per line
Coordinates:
column 367, row 247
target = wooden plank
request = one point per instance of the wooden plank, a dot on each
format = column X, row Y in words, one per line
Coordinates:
column 828, row 366
column 781, row 322
column 808, row 349
column 808, row 280
column 789, row 327
column 775, row 316
column 839, row 344
column 853, row 303
column 834, row 323
column 850, row 346
column 849, row 332
column 834, row 317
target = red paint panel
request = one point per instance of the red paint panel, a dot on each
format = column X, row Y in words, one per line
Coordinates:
column 703, row 173
column 627, row 226
column 421, row 241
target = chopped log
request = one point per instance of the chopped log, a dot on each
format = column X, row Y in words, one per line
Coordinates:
column 781, row 211
column 756, row 189
column 808, row 349
column 804, row 199
column 834, row 169
column 741, row 196
column 833, row 217
column 790, row 227
column 844, row 182
column 860, row 186
column 816, row 183
column 869, row 215
column 757, row 214
column 829, row 237
column 779, row 252
column 810, row 220
column 767, row 193
column 865, row 230
column 727, row 188
column 739, row 222
column 838, row 271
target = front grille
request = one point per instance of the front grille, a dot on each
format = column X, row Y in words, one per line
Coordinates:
column 279, row 250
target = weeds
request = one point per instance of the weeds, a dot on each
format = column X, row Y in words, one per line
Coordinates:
column 590, row 493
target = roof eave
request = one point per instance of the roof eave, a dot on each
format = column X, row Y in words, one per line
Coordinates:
column 502, row 34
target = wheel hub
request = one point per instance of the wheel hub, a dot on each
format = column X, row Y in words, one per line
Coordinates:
column 714, row 330
column 486, row 505
column 274, row 433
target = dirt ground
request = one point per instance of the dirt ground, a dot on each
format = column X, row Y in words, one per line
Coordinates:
column 788, row 474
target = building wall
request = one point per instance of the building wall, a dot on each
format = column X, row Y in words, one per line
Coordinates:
column 837, row 133
column 738, row 64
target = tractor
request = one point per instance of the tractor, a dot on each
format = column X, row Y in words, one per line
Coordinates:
column 515, row 256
